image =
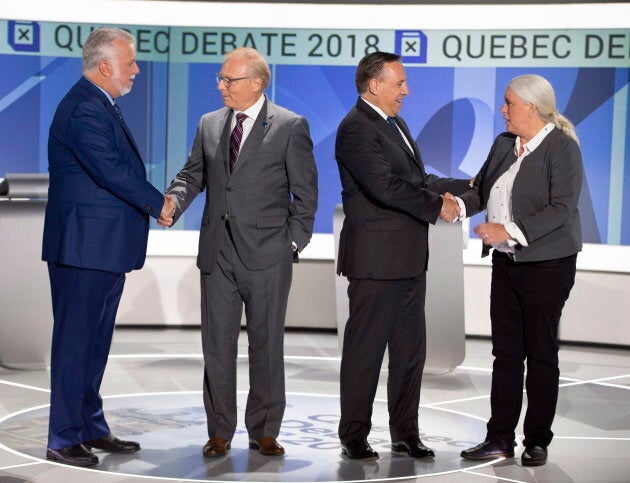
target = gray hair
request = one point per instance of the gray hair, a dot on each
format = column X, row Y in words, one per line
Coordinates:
column 97, row 47
column 538, row 91
column 258, row 66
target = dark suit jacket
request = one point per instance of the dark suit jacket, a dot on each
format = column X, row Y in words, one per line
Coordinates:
column 270, row 198
column 99, row 200
column 545, row 195
column 388, row 199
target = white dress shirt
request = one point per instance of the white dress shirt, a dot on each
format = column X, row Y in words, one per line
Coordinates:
column 385, row 116
column 251, row 113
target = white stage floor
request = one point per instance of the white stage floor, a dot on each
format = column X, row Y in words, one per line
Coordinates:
column 152, row 391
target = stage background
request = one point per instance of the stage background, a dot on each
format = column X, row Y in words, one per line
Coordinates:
column 453, row 111
column 456, row 78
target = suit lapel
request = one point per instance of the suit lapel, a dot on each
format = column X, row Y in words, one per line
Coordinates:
column 415, row 155
column 125, row 128
column 508, row 158
column 384, row 127
column 98, row 96
column 225, row 128
column 261, row 126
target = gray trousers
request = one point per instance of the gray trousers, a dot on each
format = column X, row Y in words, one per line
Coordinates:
column 264, row 294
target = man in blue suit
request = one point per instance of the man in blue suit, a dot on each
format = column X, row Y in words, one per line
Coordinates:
column 96, row 230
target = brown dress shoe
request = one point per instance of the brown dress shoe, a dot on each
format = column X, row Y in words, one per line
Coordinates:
column 216, row 447
column 266, row 445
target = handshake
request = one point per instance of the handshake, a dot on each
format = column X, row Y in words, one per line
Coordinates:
column 168, row 211
column 450, row 208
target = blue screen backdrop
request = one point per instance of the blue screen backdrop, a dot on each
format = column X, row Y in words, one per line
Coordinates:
column 453, row 112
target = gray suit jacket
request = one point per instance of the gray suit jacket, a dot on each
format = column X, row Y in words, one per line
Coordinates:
column 270, row 198
column 545, row 195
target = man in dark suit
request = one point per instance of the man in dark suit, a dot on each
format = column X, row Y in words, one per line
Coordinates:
column 96, row 229
column 255, row 161
column 388, row 202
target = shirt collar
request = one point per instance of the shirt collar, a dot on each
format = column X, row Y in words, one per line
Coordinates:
column 534, row 142
column 376, row 108
column 253, row 111
column 111, row 100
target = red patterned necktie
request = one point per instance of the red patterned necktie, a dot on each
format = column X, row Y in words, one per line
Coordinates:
column 235, row 139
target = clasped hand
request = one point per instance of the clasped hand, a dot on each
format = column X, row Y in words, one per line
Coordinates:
column 168, row 211
column 450, row 208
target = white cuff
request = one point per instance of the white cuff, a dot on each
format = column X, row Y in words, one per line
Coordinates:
column 517, row 235
column 462, row 209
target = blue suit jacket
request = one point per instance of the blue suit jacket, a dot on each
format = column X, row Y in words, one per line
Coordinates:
column 99, row 200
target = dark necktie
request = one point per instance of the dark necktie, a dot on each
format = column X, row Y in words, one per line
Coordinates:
column 235, row 139
column 392, row 123
column 119, row 112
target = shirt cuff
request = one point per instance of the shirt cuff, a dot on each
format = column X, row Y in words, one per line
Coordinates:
column 516, row 234
column 462, row 209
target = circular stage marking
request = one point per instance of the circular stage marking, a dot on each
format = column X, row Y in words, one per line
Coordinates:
column 171, row 428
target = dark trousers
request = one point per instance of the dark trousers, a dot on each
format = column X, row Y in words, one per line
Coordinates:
column 383, row 313
column 265, row 294
column 525, row 307
column 85, row 303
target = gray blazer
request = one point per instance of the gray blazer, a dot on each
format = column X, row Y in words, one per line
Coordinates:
column 544, row 198
column 270, row 198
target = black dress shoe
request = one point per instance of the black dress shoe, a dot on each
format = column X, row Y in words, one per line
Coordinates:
column 77, row 455
column 112, row 444
column 358, row 450
column 488, row 450
column 534, row 456
column 414, row 447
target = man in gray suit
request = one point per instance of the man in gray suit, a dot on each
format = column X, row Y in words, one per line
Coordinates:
column 255, row 161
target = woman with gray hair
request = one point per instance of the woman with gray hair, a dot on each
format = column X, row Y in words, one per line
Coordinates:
column 529, row 186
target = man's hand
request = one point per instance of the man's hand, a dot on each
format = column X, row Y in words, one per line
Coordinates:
column 168, row 210
column 450, row 208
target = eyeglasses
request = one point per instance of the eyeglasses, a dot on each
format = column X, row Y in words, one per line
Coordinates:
column 227, row 81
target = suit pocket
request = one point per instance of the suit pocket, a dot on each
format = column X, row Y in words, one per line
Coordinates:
column 272, row 232
column 387, row 224
column 96, row 227
column 102, row 194
column 99, row 212
column 271, row 221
